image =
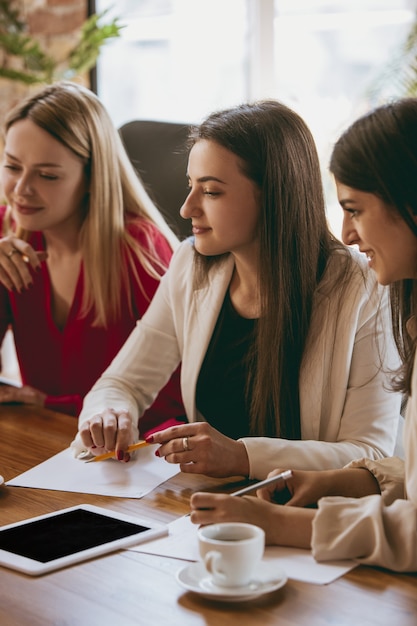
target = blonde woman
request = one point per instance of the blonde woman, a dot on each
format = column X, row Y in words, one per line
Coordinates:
column 82, row 251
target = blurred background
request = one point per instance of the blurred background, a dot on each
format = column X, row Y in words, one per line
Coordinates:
column 330, row 60
column 179, row 60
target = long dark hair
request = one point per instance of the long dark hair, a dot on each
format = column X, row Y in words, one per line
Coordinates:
column 278, row 153
column 378, row 154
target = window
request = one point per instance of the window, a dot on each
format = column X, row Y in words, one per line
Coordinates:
column 176, row 60
column 179, row 60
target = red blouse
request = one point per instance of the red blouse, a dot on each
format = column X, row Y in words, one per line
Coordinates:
column 65, row 364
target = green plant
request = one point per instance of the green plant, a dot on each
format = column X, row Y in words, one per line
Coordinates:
column 399, row 77
column 34, row 65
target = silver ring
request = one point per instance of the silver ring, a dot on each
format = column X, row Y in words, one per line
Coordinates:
column 185, row 444
column 12, row 251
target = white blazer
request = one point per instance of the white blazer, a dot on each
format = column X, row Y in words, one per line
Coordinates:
column 346, row 411
column 378, row 530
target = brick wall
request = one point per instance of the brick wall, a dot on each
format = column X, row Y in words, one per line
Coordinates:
column 55, row 24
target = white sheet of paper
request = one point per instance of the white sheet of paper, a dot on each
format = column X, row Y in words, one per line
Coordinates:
column 134, row 479
column 181, row 543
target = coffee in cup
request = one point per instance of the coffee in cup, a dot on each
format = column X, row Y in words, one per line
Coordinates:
column 231, row 552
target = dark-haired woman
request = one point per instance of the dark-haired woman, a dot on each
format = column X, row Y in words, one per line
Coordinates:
column 281, row 329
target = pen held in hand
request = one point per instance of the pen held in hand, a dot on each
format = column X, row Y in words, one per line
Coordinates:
column 255, row 486
column 263, row 483
column 111, row 455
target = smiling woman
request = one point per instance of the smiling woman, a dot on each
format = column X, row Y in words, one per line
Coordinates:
column 223, row 204
column 82, row 251
column 387, row 241
column 251, row 306
column 47, row 188
column 366, row 511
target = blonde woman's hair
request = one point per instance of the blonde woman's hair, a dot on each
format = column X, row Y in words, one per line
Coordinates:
column 74, row 115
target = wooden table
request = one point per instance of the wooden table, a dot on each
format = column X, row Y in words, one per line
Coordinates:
column 129, row 588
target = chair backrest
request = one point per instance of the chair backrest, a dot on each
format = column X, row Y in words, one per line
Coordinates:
column 157, row 151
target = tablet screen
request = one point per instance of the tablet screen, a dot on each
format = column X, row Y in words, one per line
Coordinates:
column 48, row 542
column 55, row 537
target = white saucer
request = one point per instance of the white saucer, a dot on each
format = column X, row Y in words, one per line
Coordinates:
column 1, row 480
column 267, row 578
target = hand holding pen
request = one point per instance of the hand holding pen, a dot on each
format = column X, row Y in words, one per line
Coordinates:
column 109, row 430
column 112, row 453
column 271, row 480
column 209, row 508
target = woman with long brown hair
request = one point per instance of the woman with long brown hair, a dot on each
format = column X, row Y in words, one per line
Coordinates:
column 272, row 318
column 367, row 510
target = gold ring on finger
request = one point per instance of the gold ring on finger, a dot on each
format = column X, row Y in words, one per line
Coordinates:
column 185, row 444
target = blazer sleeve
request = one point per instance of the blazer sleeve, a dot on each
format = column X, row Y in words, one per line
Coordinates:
column 167, row 407
column 367, row 530
column 376, row 530
column 144, row 364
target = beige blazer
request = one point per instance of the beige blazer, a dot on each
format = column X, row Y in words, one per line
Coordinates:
column 376, row 530
column 346, row 412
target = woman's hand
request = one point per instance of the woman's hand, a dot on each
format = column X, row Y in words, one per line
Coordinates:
column 201, row 449
column 21, row 395
column 108, row 431
column 16, row 259
column 305, row 488
column 285, row 526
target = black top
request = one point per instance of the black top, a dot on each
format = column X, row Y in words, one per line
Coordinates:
column 221, row 386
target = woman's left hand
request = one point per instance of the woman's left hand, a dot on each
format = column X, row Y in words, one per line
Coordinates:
column 201, row 449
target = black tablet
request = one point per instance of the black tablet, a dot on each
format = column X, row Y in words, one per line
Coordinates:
column 52, row 541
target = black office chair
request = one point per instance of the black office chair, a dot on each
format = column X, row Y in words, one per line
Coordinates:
column 157, row 151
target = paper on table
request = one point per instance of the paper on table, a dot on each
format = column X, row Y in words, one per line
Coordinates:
column 135, row 479
column 181, row 543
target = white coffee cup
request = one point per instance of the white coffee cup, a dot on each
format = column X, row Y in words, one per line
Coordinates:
column 231, row 552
